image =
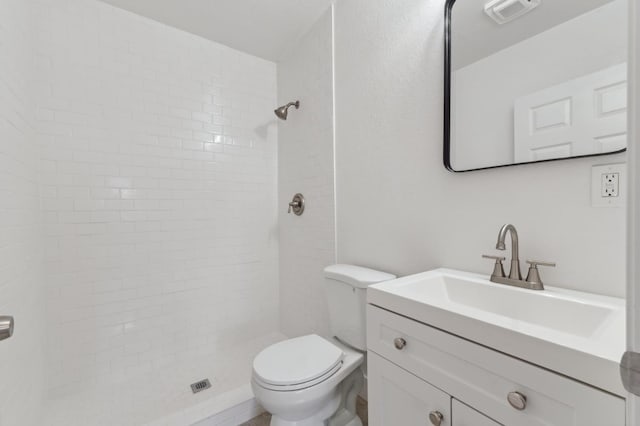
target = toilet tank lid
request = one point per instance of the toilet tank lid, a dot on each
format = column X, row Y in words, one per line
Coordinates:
column 356, row 276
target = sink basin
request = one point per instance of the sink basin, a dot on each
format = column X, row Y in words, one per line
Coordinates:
column 477, row 295
column 559, row 329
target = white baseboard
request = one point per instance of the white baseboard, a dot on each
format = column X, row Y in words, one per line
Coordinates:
column 235, row 415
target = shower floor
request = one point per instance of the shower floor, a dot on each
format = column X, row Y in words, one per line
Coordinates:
column 163, row 398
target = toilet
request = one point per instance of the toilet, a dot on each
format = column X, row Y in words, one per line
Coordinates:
column 313, row 381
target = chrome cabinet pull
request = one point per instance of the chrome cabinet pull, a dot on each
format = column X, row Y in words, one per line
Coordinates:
column 436, row 418
column 517, row 400
column 399, row 343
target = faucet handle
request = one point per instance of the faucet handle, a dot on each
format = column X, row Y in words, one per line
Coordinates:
column 535, row 263
column 500, row 258
column 533, row 277
column 498, row 269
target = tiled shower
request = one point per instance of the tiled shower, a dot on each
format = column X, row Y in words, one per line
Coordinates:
column 140, row 169
column 22, row 278
column 158, row 185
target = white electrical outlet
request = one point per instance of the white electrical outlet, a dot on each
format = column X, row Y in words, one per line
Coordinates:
column 608, row 185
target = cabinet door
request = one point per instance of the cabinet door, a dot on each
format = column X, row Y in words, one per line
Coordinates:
column 397, row 397
column 463, row 415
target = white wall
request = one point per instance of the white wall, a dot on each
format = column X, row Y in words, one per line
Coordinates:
column 399, row 210
column 159, row 193
column 484, row 98
column 305, row 165
column 21, row 281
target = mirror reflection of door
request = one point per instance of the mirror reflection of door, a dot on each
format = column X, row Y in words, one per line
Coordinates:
column 582, row 116
column 546, row 84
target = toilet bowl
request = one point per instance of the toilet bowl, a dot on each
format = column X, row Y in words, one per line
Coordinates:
column 313, row 381
column 309, row 381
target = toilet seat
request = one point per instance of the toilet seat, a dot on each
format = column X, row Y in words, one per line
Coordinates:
column 297, row 363
column 298, row 386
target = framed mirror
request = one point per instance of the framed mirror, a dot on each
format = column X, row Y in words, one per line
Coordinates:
column 533, row 80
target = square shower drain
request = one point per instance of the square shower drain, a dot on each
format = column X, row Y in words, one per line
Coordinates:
column 200, row 386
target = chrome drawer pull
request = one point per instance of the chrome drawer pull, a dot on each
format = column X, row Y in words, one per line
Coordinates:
column 436, row 418
column 399, row 343
column 517, row 400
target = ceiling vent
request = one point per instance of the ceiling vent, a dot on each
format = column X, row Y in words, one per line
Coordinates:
column 503, row 11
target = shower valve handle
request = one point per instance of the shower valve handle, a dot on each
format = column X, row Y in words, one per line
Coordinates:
column 297, row 204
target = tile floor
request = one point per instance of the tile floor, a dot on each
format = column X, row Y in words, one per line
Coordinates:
column 265, row 418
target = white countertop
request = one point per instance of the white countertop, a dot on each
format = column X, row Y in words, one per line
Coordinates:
column 579, row 335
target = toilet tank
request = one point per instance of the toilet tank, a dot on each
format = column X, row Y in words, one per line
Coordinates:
column 346, row 287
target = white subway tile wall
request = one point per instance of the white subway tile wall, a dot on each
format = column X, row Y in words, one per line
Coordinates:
column 159, row 180
column 21, row 281
column 305, row 164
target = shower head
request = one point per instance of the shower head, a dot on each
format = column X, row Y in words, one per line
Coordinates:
column 283, row 111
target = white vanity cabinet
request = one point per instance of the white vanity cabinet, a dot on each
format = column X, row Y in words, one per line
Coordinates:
column 467, row 416
column 397, row 397
column 415, row 369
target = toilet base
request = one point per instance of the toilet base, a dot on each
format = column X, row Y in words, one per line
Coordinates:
column 345, row 418
column 339, row 411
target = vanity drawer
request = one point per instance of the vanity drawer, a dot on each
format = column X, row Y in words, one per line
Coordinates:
column 483, row 378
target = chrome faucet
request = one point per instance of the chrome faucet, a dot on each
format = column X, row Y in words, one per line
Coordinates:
column 514, row 273
column 533, row 280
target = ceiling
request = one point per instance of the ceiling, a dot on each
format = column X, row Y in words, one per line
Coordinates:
column 476, row 36
column 264, row 28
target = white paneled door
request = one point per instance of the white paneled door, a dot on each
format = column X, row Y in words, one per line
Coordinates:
column 586, row 115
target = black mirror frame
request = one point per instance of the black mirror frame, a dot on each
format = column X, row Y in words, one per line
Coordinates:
column 448, row 10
